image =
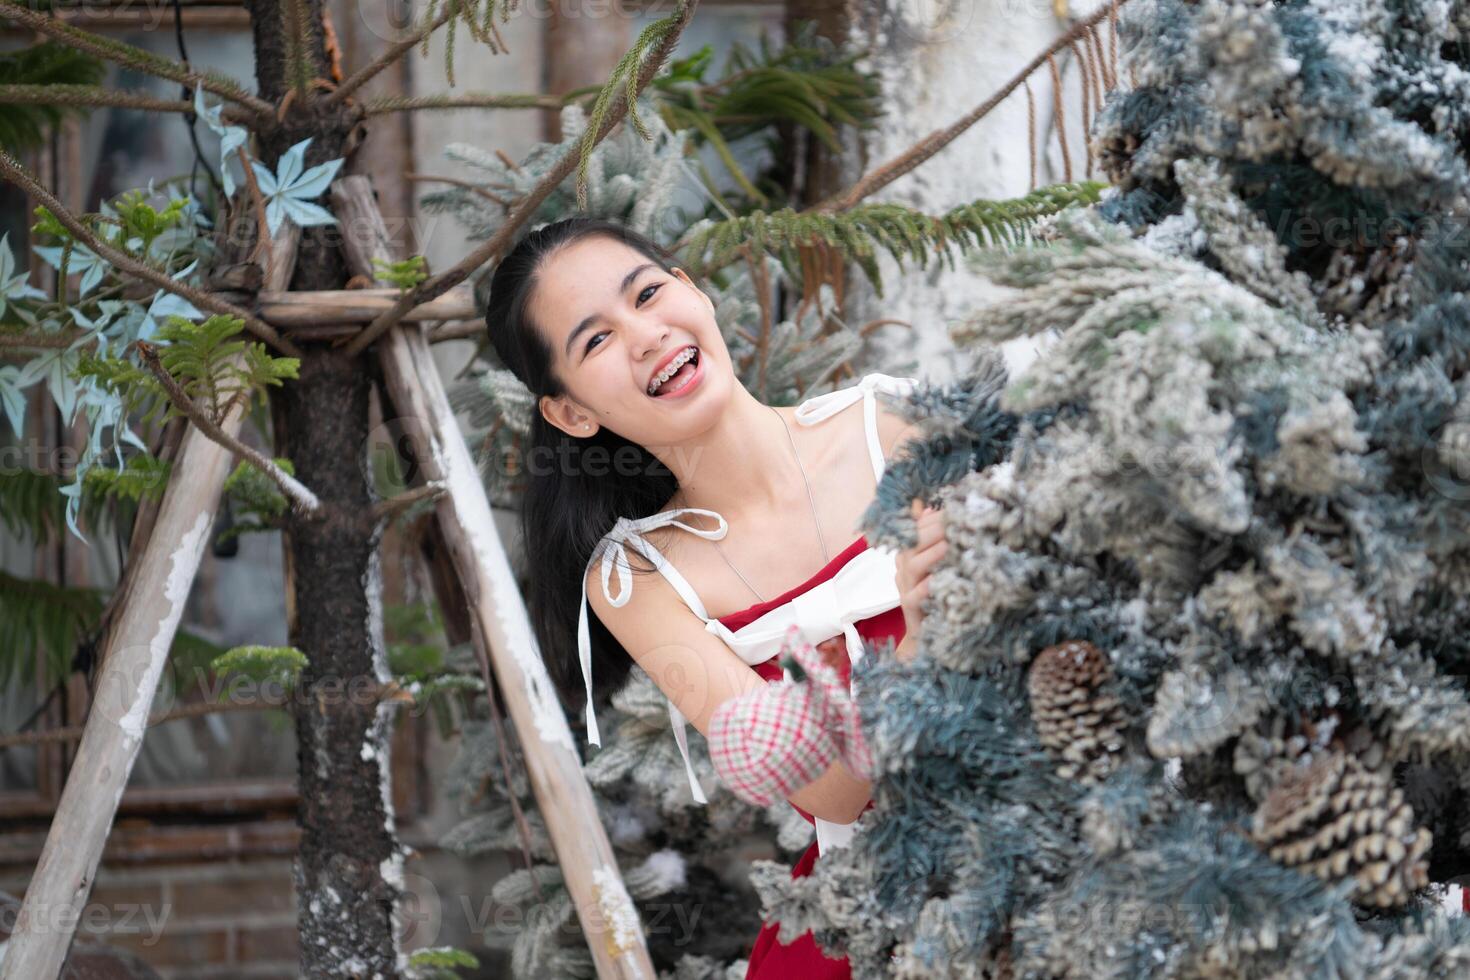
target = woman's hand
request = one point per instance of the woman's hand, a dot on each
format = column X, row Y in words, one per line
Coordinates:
column 914, row 566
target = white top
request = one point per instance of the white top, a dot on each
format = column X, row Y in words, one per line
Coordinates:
column 865, row 586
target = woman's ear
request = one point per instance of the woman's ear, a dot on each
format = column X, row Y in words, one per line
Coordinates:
column 683, row 277
column 563, row 413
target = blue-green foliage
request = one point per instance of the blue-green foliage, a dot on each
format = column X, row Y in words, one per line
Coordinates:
column 87, row 361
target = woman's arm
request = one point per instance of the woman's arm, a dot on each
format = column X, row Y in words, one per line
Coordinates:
column 697, row 671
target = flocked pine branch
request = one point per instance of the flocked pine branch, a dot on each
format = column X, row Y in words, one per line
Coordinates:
column 1195, row 653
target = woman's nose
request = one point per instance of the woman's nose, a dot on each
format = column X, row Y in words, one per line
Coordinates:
column 650, row 338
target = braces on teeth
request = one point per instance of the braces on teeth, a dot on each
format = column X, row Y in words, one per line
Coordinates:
column 680, row 359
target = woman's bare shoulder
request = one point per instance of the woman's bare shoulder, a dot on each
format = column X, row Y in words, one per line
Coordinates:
column 648, row 590
column 694, row 669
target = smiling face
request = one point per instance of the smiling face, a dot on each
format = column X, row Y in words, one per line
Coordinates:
column 615, row 322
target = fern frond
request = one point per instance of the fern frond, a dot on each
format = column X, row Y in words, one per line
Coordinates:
column 31, row 504
column 142, row 476
column 201, row 358
column 808, row 82
column 252, row 493
column 904, row 233
column 262, row 664
column 33, row 507
column 37, row 616
column 50, row 65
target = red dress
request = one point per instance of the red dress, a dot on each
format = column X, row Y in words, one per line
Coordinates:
column 803, row 958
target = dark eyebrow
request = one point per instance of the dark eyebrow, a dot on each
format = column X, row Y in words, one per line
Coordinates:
column 589, row 321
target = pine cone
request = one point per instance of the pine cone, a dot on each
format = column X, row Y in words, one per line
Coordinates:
column 1333, row 818
column 1075, row 716
column 1114, row 152
column 998, row 964
column 1266, row 752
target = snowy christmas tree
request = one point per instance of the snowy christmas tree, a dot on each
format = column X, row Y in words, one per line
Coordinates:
column 1190, row 699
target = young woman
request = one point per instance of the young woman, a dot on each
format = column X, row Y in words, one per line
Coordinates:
column 644, row 441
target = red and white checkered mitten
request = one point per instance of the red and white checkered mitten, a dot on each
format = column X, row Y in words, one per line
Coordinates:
column 769, row 743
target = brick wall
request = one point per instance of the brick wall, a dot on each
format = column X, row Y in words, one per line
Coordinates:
column 196, row 922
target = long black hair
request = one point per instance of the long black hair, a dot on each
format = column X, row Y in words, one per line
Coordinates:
column 577, row 488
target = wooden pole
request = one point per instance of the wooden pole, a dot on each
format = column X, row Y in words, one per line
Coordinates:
column 133, row 653
column 501, row 627
column 308, row 307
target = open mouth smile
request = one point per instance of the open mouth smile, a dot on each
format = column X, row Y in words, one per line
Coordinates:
column 681, row 371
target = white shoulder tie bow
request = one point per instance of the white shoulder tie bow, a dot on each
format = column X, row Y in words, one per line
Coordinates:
column 614, row 556
column 814, row 410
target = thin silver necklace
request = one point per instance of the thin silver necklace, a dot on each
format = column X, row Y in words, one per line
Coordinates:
column 811, row 499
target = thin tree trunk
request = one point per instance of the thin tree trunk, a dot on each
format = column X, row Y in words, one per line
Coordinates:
column 348, row 869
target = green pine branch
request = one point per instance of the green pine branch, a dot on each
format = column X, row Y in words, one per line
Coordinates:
column 478, row 17
column 904, row 233
column 635, row 69
column 261, row 664
column 255, row 500
column 297, row 34
column 469, row 100
column 34, row 87
column 138, row 59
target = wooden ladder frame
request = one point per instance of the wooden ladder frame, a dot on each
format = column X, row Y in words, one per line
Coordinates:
column 135, row 650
